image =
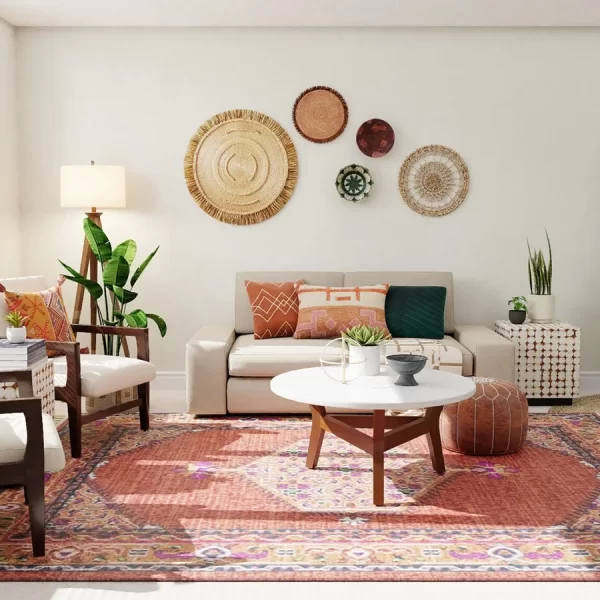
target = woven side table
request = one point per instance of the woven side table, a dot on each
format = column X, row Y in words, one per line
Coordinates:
column 37, row 381
column 547, row 360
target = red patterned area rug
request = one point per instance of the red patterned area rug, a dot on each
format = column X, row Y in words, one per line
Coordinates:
column 230, row 499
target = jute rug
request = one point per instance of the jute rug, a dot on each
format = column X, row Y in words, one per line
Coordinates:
column 587, row 404
column 230, row 499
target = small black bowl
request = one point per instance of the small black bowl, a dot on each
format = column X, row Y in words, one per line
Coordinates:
column 407, row 366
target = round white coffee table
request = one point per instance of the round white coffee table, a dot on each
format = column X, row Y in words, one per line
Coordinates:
column 374, row 394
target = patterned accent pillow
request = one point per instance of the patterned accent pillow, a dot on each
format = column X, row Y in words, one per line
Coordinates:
column 327, row 311
column 274, row 308
column 48, row 319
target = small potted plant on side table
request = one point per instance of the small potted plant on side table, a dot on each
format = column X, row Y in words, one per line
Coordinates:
column 369, row 339
column 541, row 301
column 16, row 332
column 518, row 312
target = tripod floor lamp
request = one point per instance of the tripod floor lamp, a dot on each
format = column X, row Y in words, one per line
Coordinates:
column 91, row 186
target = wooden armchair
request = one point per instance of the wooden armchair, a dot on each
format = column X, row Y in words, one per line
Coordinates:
column 79, row 375
column 29, row 445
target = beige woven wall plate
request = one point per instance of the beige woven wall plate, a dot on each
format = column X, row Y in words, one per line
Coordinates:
column 320, row 114
column 434, row 180
column 241, row 167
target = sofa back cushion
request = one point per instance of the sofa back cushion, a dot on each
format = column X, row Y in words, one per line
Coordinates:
column 415, row 278
column 18, row 284
column 244, row 322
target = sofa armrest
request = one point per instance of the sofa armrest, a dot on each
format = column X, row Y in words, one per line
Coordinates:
column 493, row 355
column 206, row 358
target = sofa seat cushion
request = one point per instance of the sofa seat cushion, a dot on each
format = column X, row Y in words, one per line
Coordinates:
column 102, row 375
column 13, row 441
column 267, row 358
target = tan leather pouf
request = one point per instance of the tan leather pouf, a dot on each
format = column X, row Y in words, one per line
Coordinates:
column 493, row 421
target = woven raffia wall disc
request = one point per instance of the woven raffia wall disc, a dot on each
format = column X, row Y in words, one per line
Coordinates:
column 320, row 114
column 241, row 167
column 434, row 180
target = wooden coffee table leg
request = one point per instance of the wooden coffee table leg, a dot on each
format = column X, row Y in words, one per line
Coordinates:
column 434, row 440
column 316, row 436
column 378, row 450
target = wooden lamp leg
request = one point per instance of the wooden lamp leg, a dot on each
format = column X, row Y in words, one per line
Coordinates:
column 89, row 264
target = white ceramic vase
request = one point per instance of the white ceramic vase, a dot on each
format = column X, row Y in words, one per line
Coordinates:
column 370, row 354
column 541, row 309
column 16, row 335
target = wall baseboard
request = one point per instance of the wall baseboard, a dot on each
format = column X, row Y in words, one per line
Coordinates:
column 168, row 390
column 589, row 383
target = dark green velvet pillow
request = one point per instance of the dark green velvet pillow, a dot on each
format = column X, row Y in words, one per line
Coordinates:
column 415, row 311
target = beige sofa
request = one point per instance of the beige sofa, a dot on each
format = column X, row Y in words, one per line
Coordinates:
column 228, row 371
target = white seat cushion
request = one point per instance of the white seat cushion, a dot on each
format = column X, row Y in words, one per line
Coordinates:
column 102, row 375
column 13, row 440
column 271, row 357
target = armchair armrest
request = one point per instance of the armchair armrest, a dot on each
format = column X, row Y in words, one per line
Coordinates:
column 72, row 386
column 140, row 334
column 206, row 369
column 493, row 355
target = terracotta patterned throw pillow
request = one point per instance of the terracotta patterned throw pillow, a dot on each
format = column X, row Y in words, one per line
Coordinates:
column 48, row 319
column 274, row 308
column 325, row 312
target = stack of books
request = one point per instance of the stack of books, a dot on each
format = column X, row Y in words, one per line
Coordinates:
column 22, row 356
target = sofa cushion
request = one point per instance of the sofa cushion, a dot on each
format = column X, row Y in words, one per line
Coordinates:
column 102, row 375
column 415, row 311
column 438, row 278
column 243, row 313
column 13, row 441
column 328, row 311
column 267, row 358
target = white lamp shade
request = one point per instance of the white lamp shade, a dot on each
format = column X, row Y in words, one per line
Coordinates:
column 97, row 186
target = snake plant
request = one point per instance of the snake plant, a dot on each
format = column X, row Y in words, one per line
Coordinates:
column 116, row 264
column 540, row 271
column 365, row 335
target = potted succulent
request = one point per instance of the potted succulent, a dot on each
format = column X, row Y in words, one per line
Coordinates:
column 364, row 339
column 541, row 302
column 518, row 311
column 16, row 332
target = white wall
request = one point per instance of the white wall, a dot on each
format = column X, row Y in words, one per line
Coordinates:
column 9, row 209
column 520, row 106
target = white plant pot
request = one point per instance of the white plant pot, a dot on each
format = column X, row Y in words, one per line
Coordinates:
column 371, row 355
column 541, row 309
column 16, row 335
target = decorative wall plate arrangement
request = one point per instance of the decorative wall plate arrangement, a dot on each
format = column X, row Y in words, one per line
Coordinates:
column 241, row 167
column 320, row 114
column 434, row 180
column 375, row 138
column 354, row 183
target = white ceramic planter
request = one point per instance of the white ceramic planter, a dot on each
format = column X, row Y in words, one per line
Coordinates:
column 16, row 335
column 372, row 356
column 541, row 309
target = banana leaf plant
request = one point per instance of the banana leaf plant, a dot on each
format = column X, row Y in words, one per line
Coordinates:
column 116, row 289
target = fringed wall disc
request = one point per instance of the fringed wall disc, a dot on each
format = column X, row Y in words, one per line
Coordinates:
column 320, row 114
column 241, row 167
column 434, row 180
